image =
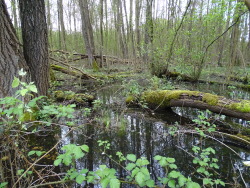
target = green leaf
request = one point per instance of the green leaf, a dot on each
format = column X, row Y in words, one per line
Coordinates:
column 32, row 88
column 2, row 185
column 164, row 180
column 135, row 171
column 114, row 183
column 157, row 157
column 140, row 178
column 174, row 174
column 80, row 178
column 15, row 82
column 130, row 166
column 182, row 180
column 73, row 175
column 31, row 153
column 170, row 160
column 131, row 157
column 104, row 182
column 145, row 171
column 201, row 170
column 23, row 92
column 39, row 153
column 90, row 179
column 193, row 185
column 171, row 183
column 57, row 162
column 172, row 166
column 150, row 183
column 85, row 148
column 207, row 181
column 84, row 171
column 163, row 162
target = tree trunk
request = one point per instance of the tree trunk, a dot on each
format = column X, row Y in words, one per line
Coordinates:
column 61, row 23
column 11, row 57
column 137, row 24
column 101, row 30
column 148, row 28
column 87, row 31
column 14, row 7
column 162, row 99
column 35, row 42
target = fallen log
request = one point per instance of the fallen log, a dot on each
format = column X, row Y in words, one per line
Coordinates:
column 163, row 99
column 72, row 72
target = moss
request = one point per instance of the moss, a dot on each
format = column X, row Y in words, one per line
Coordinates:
column 242, row 106
column 163, row 97
column 75, row 98
column 130, row 99
column 210, row 99
column 95, row 66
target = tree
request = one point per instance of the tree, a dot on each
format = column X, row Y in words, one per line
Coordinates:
column 87, row 30
column 35, row 42
column 11, row 57
column 62, row 38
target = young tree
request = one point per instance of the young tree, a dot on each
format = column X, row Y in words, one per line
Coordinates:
column 35, row 42
column 11, row 58
column 62, row 42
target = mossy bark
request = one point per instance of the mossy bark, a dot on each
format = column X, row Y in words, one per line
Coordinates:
column 73, row 98
column 71, row 72
column 184, row 98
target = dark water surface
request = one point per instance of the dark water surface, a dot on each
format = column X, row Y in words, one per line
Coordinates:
column 136, row 132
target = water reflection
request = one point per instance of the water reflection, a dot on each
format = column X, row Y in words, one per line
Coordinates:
column 135, row 132
column 147, row 137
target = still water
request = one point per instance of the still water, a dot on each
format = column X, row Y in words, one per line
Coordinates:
column 132, row 131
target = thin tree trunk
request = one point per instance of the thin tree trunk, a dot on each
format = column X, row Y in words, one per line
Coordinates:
column 11, row 57
column 49, row 23
column 101, row 30
column 14, row 8
column 148, row 29
column 137, row 25
column 61, row 23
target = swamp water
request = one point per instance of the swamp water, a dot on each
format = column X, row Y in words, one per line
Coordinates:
column 132, row 131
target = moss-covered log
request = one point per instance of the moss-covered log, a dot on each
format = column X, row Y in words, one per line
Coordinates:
column 72, row 72
column 195, row 99
column 73, row 98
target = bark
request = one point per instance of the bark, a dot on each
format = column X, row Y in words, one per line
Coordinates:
column 235, row 37
column 35, row 42
column 48, row 16
column 137, row 24
column 247, row 3
column 87, row 30
column 101, row 30
column 223, row 40
column 148, row 28
column 71, row 72
column 61, row 23
column 11, row 57
column 196, row 99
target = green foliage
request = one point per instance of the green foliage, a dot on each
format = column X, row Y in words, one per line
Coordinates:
column 37, row 153
column 207, row 165
column 72, row 153
column 204, row 124
column 3, row 185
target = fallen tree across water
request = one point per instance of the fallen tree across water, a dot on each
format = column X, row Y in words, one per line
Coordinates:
column 163, row 99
